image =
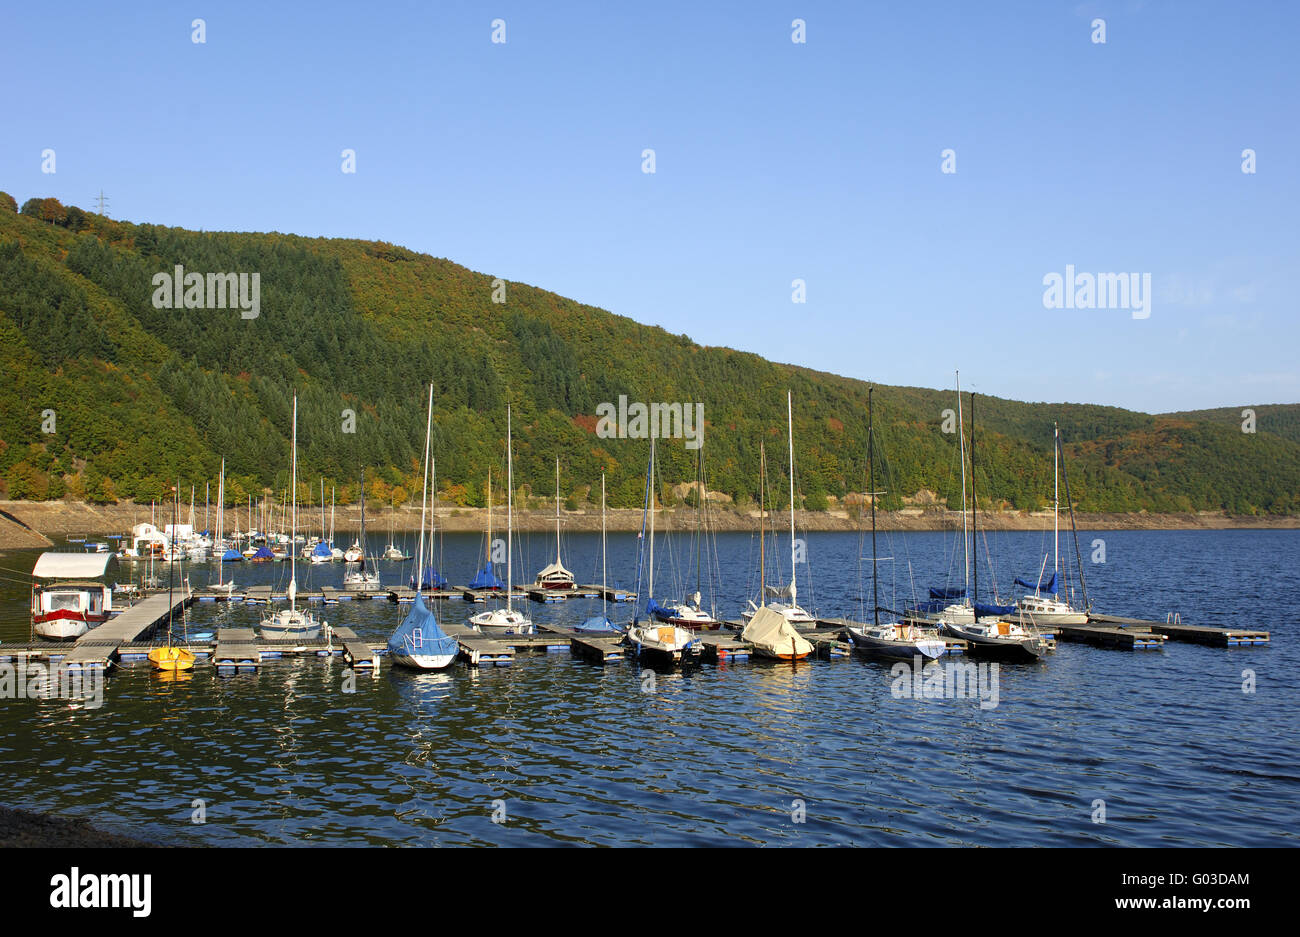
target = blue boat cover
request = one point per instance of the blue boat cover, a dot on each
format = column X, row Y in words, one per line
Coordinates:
column 656, row 610
column 598, row 625
column 1047, row 585
column 232, row 556
column 322, row 549
column 486, row 579
column 420, row 633
column 983, row 609
column 263, row 554
column 431, row 579
column 954, row 593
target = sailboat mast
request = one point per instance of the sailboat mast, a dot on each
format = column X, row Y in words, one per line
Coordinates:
column 489, row 522
column 762, row 533
column 789, row 417
column 604, row 574
column 363, row 522
column 510, row 515
column 433, row 513
column 699, row 503
column 1056, row 503
column 871, row 476
column 293, row 521
column 424, row 494
column 219, row 543
column 975, row 567
column 651, row 585
column 965, row 528
column 557, row 509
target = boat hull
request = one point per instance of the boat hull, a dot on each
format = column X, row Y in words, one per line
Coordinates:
column 1008, row 649
column 423, row 661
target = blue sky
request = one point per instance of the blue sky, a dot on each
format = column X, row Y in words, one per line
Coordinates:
column 774, row 161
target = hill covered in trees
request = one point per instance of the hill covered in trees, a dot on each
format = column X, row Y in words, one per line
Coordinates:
column 142, row 396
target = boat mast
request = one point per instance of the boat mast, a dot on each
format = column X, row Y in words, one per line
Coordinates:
column 1056, row 506
column 974, row 526
column 557, row 511
column 699, row 530
column 1078, row 556
column 965, row 529
column 363, row 524
column 219, row 543
column 604, row 574
column 424, row 493
column 762, row 533
column 293, row 519
column 489, row 523
column 651, row 585
column 789, row 416
column 871, row 475
column 510, row 516
column 433, row 513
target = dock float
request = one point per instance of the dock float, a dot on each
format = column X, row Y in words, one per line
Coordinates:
column 236, row 650
column 1131, row 639
column 599, row 649
column 355, row 651
column 721, row 646
column 1175, row 630
column 478, row 649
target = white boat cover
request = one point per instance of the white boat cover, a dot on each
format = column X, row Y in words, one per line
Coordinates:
column 555, row 571
column 768, row 629
column 72, row 565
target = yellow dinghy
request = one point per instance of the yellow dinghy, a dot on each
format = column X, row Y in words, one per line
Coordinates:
column 171, row 658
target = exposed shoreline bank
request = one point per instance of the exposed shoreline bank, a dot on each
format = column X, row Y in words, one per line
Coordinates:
column 31, row 524
column 32, row 829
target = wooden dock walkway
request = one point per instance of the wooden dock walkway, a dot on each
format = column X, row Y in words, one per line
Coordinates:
column 723, row 646
column 477, row 648
column 355, row 651
column 597, row 648
column 1211, row 635
column 236, row 649
column 98, row 647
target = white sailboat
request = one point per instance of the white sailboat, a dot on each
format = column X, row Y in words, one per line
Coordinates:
column 555, row 576
column 292, row 623
column 786, row 601
column 221, row 547
column 690, row 613
column 665, row 643
column 1044, row 606
column 506, row 620
column 361, row 579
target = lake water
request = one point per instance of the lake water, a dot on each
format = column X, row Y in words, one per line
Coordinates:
column 747, row 752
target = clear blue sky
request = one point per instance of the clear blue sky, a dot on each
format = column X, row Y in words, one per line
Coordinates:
column 774, row 161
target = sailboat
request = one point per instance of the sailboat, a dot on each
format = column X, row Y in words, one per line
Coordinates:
column 430, row 578
column 322, row 551
column 1044, row 606
column 555, row 576
column 170, row 657
column 601, row 624
column 419, row 641
column 689, row 613
column 896, row 639
column 230, row 555
column 788, row 598
column 393, row 551
column 506, row 620
column 291, row 623
column 665, row 643
column 993, row 635
column 486, row 579
column 361, row 579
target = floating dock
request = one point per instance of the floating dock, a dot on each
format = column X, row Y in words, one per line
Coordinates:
column 99, row 647
column 1175, row 630
column 1128, row 639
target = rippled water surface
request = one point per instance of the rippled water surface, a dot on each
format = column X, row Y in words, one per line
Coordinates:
column 718, row 754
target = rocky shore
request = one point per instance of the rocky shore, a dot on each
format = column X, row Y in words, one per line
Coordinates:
column 33, row 524
column 23, row 828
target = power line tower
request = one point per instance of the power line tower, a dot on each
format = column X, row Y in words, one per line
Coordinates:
column 101, row 202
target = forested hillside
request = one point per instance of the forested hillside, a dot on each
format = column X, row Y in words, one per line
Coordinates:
column 142, row 396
